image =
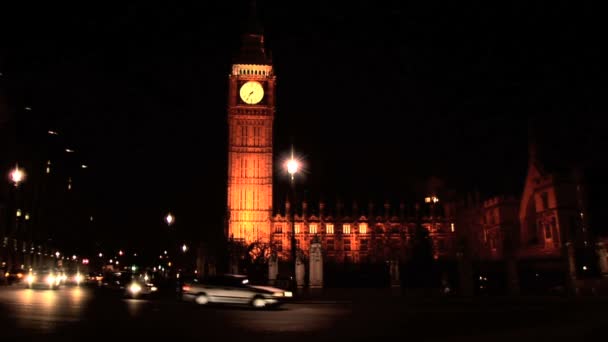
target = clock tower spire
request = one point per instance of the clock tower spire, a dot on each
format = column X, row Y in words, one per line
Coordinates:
column 251, row 108
column 252, row 49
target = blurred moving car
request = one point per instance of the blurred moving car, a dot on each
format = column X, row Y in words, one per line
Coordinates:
column 74, row 278
column 94, row 278
column 15, row 276
column 129, row 284
column 234, row 289
column 47, row 278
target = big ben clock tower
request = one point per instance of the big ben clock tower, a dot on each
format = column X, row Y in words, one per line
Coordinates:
column 251, row 107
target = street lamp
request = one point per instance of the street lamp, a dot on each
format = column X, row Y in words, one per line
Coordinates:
column 293, row 165
column 170, row 219
column 17, row 176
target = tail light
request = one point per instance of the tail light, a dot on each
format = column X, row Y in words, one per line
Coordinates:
column 186, row 288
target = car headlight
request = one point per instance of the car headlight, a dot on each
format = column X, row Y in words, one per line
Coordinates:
column 288, row 294
column 30, row 278
column 50, row 280
column 134, row 288
column 78, row 278
column 278, row 294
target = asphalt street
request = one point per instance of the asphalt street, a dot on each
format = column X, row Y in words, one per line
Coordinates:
column 80, row 313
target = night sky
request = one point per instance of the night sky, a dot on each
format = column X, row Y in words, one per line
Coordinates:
column 377, row 96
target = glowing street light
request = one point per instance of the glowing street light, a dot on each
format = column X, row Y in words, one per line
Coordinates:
column 170, row 219
column 292, row 166
column 17, row 175
column 184, row 248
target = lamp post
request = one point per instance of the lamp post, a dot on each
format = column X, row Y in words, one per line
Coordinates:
column 170, row 220
column 16, row 176
column 293, row 166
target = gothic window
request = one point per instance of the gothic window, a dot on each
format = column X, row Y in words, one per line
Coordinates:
column 256, row 199
column 243, row 167
column 297, row 228
column 347, row 244
column 257, row 135
column 363, row 245
column 243, row 198
column 278, row 228
column 330, row 244
column 548, row 231
column 312, row 228
column 362, row 228
column 244, row 135
column 545, row 199
column 346, row 228
column 279, row 245
column 329, row 228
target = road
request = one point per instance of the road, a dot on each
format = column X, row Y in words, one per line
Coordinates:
column 87, row 314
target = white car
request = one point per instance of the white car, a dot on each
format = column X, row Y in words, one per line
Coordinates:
column 233, row 289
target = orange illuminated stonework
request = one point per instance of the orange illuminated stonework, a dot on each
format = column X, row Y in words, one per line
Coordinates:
column 351, row 235
column 250, row 119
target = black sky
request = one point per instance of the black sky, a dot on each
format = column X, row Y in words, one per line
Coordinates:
column 377, row 95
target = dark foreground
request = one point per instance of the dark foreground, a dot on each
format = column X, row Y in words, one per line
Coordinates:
column 83, row 314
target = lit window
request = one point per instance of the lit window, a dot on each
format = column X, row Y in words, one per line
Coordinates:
column 363, row 228
column 298, row 228
column 452, row 227
column 346, row 229
column 329, row 228
column 312, row 229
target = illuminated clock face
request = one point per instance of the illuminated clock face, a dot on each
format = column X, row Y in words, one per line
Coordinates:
column 252, row 92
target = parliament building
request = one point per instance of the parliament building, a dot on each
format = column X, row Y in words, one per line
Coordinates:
column 538, row 233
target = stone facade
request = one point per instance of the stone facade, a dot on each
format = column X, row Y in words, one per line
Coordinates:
column 361, row 237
